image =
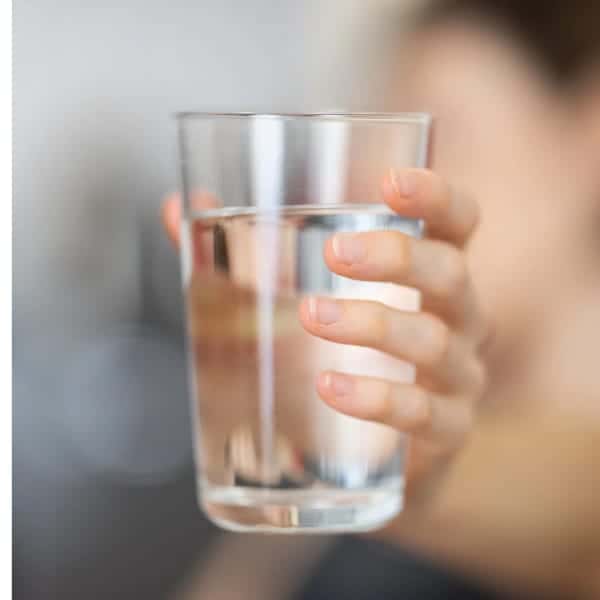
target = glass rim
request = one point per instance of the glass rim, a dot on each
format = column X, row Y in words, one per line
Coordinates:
column 419, row 118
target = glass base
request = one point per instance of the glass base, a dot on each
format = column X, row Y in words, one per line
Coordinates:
column 300, row 511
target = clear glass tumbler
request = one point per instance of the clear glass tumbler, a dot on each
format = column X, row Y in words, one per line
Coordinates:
column 262, row 193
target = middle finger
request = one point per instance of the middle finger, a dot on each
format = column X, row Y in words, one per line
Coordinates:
column 435, row 268
column 417, row 337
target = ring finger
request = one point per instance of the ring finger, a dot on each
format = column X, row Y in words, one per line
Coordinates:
column 417, row 337
column 405, row 407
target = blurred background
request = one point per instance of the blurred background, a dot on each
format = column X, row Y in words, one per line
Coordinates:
column 104, row 499
column 103, row 490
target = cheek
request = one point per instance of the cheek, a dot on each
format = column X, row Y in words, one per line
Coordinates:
column 502, row 138
column 517, row 256
column 504, row 277
column 518, row 264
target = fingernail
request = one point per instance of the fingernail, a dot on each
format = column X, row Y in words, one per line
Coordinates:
column 340, row 385
column 348, row 248
column 323, row 310
column 403, row 183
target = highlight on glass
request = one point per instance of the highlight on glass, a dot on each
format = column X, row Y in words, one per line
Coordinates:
column 262, row 194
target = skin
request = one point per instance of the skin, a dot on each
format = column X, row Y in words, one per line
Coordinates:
column 519, row 507
column 443, row 340
column 529, row 153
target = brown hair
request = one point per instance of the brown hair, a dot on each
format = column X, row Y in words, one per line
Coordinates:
column 563, row 36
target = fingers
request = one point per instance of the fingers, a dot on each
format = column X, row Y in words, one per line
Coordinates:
column 201, row 246
column 407, row 408
column 170, row 212
column 417, row 337
column 421, row 194
column 441, row 341
column 435, row 268
column 171, row 216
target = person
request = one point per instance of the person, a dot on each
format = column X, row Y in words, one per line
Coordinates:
column 515, row 88
column 443, row 339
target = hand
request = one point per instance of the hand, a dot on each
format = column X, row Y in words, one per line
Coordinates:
column 519, row 505
column 442, row 340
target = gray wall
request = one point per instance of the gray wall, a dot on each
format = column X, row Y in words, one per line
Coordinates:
column 103, row 490
column 95, row 85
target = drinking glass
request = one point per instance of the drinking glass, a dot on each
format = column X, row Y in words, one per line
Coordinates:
column 261, row 195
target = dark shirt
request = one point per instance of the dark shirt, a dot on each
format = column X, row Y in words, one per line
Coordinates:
column 359, row 569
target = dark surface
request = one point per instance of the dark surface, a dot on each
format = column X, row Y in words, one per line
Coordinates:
column 103, row 487
column 358, row 569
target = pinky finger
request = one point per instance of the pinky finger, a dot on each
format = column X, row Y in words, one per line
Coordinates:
column 406, row 407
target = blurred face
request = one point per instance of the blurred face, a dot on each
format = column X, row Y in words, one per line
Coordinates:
column 505, row 135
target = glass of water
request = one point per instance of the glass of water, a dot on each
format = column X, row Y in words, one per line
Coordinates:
column 262, row 193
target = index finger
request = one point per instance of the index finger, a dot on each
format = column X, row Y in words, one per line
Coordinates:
column 422, row 194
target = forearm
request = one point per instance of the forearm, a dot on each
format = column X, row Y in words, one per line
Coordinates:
column 521, row 504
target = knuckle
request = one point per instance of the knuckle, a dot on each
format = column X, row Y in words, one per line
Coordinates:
column 423, row 411
column 379, row 325
column 464, row 210
column 406, row 408
column 435, row 340
column 400, row 251
column 443, row 194
column 454, row 274
column 446, row 193
column 383, row 404
column 458, row 426
column 479, row 374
